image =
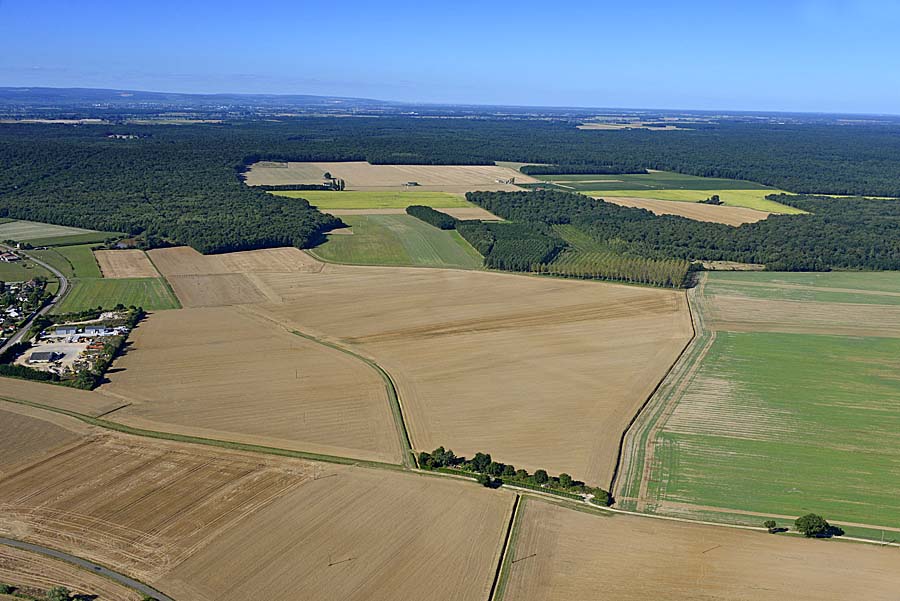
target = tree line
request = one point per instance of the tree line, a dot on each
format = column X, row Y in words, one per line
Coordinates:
column 436, row 218
column 837, row 233
column 493, row 473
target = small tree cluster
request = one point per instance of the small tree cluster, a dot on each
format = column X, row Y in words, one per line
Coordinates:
column 490, row 473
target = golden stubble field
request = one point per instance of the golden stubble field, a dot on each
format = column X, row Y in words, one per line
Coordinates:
column 360, row 175
column 561, row 554
column 127, row 263
column 223, row 373
column 541, row 373
column 33, row 570
column 692, row 210
column 205, row 523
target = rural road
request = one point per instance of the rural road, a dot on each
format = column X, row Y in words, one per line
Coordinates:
column 63, row 288
column 93, row 567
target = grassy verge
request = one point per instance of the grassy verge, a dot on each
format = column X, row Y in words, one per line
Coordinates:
column 498, row 588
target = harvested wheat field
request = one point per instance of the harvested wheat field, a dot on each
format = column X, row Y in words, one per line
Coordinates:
column 228, row 279
column 222, row 373
column 360, row 175
column 129, row 263
column 30, row 434
column 356, row 535
column 38, row 573
column 139, row 507
column 61, row 397
column 458, row 212
column 542, row 373
column 564, row 554
column 693, row 210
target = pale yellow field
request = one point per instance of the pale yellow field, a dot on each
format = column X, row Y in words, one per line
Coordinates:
column 25, row 569
column 137, row 506
column 222, row 373
column 131, row 263
column 228, row 279
column 360, row 175
column 561, row 554
column 697, row 211
column 62, row 397
column 30, row 434
column 458, row 212
column 356, row 535
column 541, row 373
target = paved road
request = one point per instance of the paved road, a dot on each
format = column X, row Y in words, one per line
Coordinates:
column 93, row 567
column 63, row 289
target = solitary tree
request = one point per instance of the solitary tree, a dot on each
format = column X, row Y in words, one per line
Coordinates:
column 565, row 480
column 769, row 525
column 812, row 525
column 481, row 461
column 327, row 175
column 541, row 477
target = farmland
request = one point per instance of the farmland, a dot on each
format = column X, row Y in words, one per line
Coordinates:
column 195, row 372
column 360, row 175
column 20, row 271
column 561, row 554
column 26, row 231
column 397, row 240
column 39, row 573
column 196, row 522
column 376, row 200
column 470, row 212
column 543, row 373
column 89, row 293
column 72, row 261
column 750, row 199
column 118, row 264
column 787, row 404
column 693, row 210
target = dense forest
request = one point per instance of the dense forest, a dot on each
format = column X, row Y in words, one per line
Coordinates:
column 182, row 182
column 848, row 233
column 582, row 169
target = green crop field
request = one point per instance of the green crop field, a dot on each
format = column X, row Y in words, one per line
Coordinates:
column 150, row 293
column 377, row 200
column 397, row 240
column 73, row 261
column 787, row 424
column 26, row 231
column 775, row 423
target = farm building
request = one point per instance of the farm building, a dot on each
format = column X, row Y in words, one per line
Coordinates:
column 65, row 331
column 44, row 357
column 9, row 257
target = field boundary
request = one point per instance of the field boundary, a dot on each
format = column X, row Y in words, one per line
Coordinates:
column 498, row 586
column 637, row 415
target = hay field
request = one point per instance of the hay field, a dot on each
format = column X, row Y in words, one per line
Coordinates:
column 73, row 261
column 565, row 554
column 542, row 373
column 229, row 279
column 221, row 373
column 472, row 212
column 137, row 506
column 25, row 569
column 360, row 175
column 356, row 536
column 697, row 211
column 131, row 263
column 788, row 405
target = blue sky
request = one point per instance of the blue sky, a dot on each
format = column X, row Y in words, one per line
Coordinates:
column 803, row 55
